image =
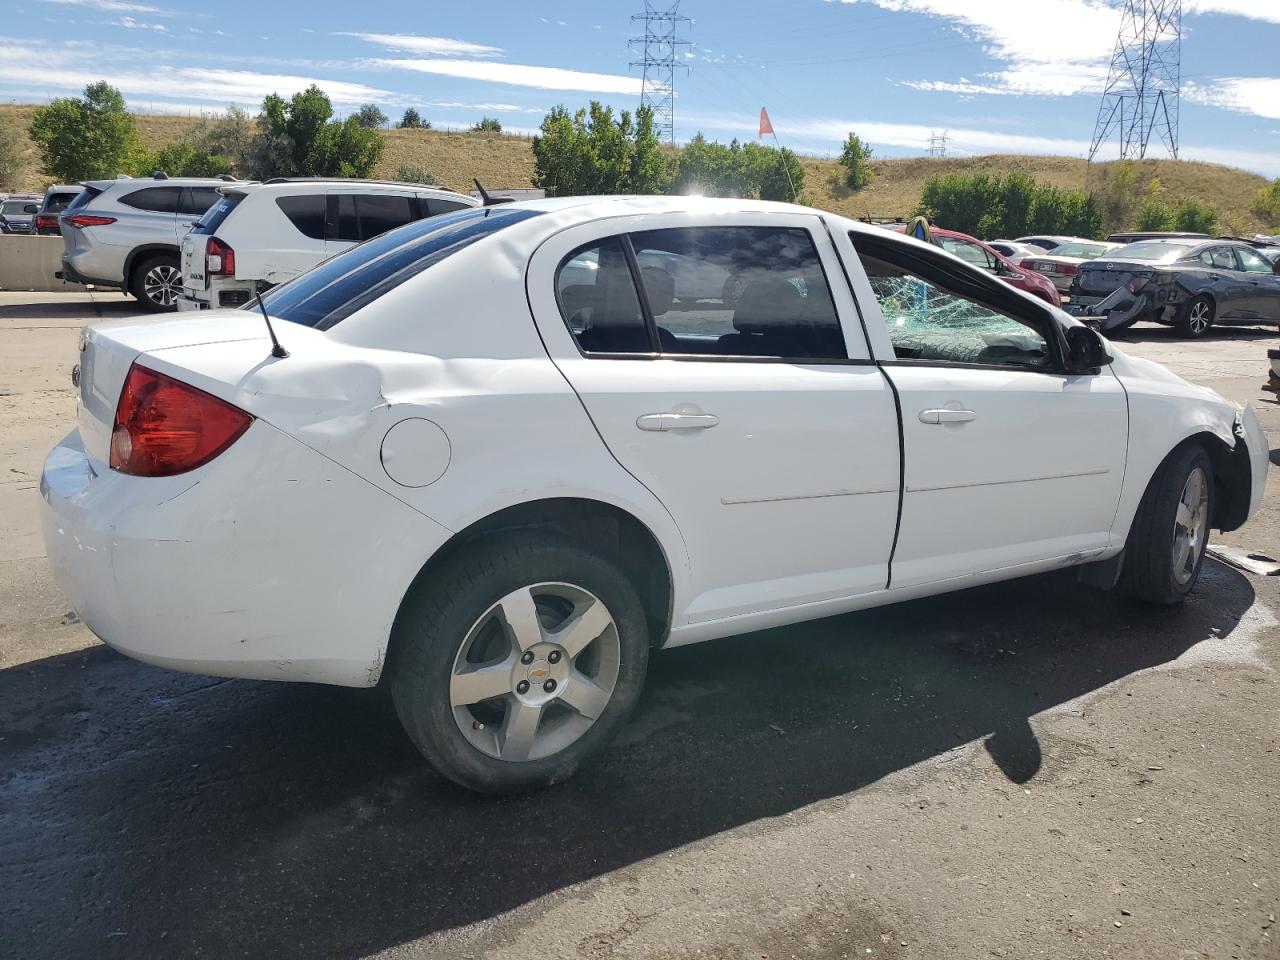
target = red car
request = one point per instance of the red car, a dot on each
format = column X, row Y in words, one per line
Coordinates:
column 986, row 257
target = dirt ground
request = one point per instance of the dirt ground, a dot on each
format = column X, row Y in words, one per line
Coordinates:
column 1023, row 770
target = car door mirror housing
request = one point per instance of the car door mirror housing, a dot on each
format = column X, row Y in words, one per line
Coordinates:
column 1086, row 350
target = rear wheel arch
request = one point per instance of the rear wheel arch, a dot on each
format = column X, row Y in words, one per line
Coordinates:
column 603, row 527
column 141, row 252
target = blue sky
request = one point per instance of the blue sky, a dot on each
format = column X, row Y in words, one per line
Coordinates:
column 999, row 75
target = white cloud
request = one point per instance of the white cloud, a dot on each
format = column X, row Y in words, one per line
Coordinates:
column 1267, row 11
column 114, row 6
column 20, row 66
column 431, row 46
column 520, row 75
column 132, row 24
column 1259, row 96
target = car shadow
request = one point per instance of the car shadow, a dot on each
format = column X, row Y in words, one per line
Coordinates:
column 100, row 307
column 146, row 812
column 1145, row 332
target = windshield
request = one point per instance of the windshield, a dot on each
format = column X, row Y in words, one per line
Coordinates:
column 1085, row 251
column 342, row 285
column 1156, row 251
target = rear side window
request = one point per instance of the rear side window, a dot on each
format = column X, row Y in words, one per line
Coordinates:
column 88, row 194
column 306, row 212
column 968, row 252
column 355, row 278
column 212, row 219
column 196, row 200
column 435, row 206
column 755, row 292
column 364, row 216
column 154, row 199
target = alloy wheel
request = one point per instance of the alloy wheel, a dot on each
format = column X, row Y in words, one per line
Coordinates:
column 1190, row 526
column 1201, row 316
column 160, row 284
column 535, row 672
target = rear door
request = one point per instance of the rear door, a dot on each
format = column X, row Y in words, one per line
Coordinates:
column 1008, row 460
column 750, row 408
column 152, row 213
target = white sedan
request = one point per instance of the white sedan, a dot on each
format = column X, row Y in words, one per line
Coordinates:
column 501, row 460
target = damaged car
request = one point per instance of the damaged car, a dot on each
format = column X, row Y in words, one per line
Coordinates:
column 1191, row 285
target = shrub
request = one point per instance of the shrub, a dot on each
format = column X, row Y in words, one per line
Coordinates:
column 855, row 157
column 412, row 121
column 1011, row 206
column 13, row 165
column 409, row 173
column 371, row 117
column 487, row 125
column 1194, row 216
column 1156, row 215
column 1266, row 203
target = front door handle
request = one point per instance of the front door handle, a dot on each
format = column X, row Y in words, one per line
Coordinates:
column 947, row 415
column 677, row 421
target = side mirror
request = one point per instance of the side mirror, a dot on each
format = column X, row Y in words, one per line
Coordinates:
column 1086, row 350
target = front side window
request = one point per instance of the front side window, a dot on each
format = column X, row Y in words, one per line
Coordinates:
column 154, row 199
column 936, row 314
column 1252, row 262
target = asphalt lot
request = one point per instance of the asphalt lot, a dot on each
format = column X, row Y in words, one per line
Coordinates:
column 1024, row 770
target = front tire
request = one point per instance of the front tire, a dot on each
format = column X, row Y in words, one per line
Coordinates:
column 1197, row 317
column 157, row 282
column 518, row 660
column 1166, row 545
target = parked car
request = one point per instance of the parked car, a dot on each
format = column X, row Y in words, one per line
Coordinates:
column 985, row 257
column 260, row 235
column 1044, row 241
column 1061, row 263
column 1137, row 235
column 1190, row 284
column 18, row 212
column 56, row 200
column 497, row 487
column 126, row 234
column 1017, row 252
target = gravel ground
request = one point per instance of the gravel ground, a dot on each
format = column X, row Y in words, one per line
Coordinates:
column 1024, row 770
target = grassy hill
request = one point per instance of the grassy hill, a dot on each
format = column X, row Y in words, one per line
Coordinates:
column 500, row 160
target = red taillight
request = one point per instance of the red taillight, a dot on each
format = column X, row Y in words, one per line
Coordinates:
column 219, row 259
column 164, row 426
column 46, row 222
column 1067, row 270
column 83, row 220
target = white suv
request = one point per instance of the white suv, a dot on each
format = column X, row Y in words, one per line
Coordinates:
column 260, row 235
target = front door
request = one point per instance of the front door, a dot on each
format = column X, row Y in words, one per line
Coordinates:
column 1263, row 290
column 712, row 358
column 1008, row 460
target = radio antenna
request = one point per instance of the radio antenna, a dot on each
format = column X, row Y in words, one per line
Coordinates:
column 276, row 350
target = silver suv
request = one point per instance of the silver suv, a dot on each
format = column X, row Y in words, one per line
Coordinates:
column 126, row 233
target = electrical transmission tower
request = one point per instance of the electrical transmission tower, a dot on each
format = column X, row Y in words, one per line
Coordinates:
column 1141, row 96
column 938, row 144
column 659, row 50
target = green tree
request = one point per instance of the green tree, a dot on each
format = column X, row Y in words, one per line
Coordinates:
column 86, row 138
column 412, row 121
column 298, row 138
column 855, row 157
column 371, row 116
column 772, row 173
column 230, row 136
column 591, row 151
column 650, row 172
column 711, row 169
column 487, row 125
column 1009, row 206
column 1195, row 216
column 183, row 159
column 410, row 173
column 1266, row 203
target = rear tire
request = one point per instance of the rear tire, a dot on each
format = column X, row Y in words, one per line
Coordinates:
column 157, row 282
column 1166, row 545
column 503, row 703
column 1197, row 317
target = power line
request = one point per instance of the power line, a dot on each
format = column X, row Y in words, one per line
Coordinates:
column 659, row 49
column 1143, row 86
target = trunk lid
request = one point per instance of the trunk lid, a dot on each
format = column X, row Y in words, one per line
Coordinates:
column 1104, row 276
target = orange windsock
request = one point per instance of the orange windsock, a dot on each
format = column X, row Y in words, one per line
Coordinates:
column 765, row 125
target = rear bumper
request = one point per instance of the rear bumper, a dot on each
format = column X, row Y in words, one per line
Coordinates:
column 271, row 562
column 70, row 274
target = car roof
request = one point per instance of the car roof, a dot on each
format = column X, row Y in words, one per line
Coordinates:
column 160, row 182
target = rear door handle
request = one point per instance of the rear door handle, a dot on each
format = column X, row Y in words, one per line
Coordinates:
column 947, row 415
column 677, row 421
